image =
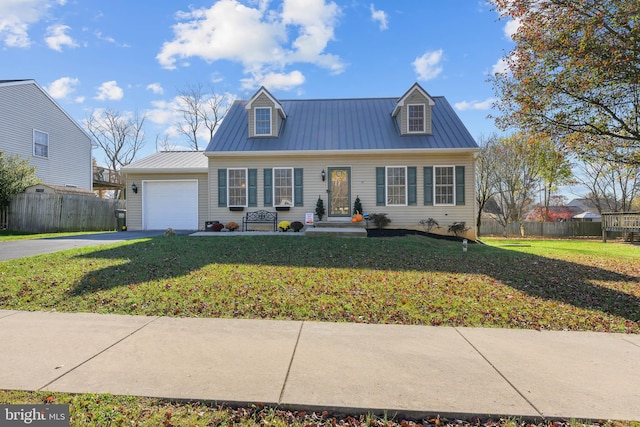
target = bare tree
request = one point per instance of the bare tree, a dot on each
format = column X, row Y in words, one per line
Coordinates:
column 516, row 167
column 612, row 186
column 201, row 108
column 119, row 136
column 485, row 185
column 163, row 143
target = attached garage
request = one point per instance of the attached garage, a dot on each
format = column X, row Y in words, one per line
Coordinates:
column 170, row 204
column 168, row 190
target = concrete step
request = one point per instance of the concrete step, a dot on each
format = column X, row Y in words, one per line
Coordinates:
column 340, row 224
column 336, row 231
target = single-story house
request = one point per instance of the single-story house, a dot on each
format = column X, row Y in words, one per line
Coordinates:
column 409, row 157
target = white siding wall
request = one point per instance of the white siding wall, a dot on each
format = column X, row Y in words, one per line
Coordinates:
column 24, row 108
column 363, row 184
column 134, row 200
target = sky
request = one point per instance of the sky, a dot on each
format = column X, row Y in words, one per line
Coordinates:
column 132, row 56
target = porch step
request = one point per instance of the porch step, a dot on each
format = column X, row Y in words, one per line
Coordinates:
column 339, row 224
column 336, row 231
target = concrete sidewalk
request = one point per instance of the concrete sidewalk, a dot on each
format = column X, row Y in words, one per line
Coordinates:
column 351, row 368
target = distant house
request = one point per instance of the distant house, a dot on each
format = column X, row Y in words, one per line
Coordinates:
column 409, row 157
column 34, row 127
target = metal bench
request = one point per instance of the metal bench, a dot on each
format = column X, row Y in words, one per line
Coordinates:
column 260, row 217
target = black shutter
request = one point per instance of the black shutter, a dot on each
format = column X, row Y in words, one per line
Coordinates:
column 380, row 187
column 412, row 181
column 459, row 185
column 253, row 187
column 428, row 185
column 298, row 199
column 268, row 187
column 222, row 188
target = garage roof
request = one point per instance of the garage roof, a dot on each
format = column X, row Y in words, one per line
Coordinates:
column 170, row 162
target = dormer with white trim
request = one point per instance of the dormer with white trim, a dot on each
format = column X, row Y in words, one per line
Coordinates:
column 266, row 115
column 412, row 112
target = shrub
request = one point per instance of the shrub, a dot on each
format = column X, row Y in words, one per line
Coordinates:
column 232, row 226
column 429, row 224
column 380, row 219
column 458, row 228
column 217, row 226
column 297, row 226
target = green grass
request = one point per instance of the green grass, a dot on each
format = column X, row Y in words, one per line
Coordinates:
column 108, row 410
column 557, row 285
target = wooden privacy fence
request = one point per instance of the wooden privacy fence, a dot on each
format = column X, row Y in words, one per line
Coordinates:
column 625, row 222
column 542, row 229
column 47, row 213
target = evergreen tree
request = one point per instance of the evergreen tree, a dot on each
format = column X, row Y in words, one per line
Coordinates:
column 357, row 206
column 320, row 208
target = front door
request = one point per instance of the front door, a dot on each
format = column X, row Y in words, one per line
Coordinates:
column 339, row 192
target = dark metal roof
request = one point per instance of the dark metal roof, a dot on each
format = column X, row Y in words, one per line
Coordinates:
column 341, row 124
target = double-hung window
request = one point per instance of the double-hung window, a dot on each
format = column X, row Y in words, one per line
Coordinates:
column 283, row 186
column 444, row 185
column 416, row 118
column 237, row 187
column 40, row 144
column 262, row 121
column 396, row 177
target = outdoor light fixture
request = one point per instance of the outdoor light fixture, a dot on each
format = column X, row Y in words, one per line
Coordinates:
column 134, row 188
column 324, row 175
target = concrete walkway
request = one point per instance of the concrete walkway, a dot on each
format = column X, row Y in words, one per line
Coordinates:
column 351, row 368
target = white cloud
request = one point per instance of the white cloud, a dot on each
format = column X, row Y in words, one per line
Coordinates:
column 57, row 37
column 16, row 16
column 511, row 27
column 274, row 81
column 155, row 88
column 62, row 88
column 428, row 66
column 379, row 16
column 500, row 67
column 257, row 37
column 475, row 105
column 109, row 91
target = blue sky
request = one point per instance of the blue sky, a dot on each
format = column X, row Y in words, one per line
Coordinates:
column 137, row 55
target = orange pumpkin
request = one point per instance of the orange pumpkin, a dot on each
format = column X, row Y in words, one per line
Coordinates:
column 357, row 218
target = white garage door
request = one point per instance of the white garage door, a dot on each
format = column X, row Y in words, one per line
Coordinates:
column 170, row 204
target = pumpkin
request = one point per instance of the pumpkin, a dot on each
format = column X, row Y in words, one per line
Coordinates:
column 357, row 218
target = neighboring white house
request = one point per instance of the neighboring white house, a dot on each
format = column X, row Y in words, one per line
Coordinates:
column 410, row 157
column 34, row 127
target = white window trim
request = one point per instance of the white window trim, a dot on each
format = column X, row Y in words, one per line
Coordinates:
column 435, row 201
column 246, row 188
column 386, row 185
column 424, row 119
column 273, row 186
column 34, row 144
column 255, row 121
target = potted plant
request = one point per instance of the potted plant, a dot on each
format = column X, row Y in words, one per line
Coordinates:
column 217, row 226
column 296, row 226
column 284, row 225
column 231, row 226
column 320, row 208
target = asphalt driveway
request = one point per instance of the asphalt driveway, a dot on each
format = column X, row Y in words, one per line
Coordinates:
column 23, row 248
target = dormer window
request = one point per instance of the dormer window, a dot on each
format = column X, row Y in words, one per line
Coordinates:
column 416, row 118
column 262, row 121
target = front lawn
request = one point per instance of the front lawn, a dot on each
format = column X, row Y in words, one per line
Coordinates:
column 573, row 285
